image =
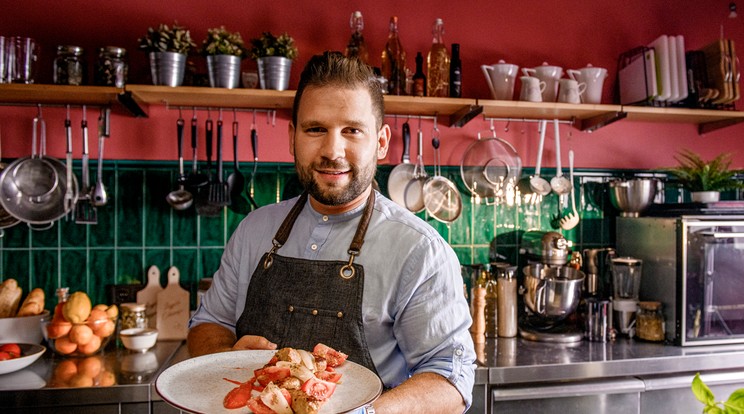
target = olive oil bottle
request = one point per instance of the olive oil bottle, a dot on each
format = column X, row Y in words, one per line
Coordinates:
column 438, row 63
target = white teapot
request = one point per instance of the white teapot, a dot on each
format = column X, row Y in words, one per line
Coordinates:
column 550, row 75
column 593, row 78
column 500, row 78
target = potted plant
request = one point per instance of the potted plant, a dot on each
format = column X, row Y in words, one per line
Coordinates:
column 705, row 179
column 224, row 51
column 167, row 48
column 274, row 55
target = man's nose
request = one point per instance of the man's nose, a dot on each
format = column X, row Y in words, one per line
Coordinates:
column 334, row 145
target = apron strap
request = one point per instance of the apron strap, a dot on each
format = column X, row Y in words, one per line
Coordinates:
column 358, row 240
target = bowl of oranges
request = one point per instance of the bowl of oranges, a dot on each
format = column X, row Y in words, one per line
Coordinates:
column 79, row 329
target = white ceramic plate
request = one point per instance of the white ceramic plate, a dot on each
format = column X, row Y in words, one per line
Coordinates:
column 198, row 385
column 31, row 352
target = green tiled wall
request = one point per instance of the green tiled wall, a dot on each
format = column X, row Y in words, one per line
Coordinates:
column 138, row 229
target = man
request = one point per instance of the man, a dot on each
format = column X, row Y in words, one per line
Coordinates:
column 348, row 267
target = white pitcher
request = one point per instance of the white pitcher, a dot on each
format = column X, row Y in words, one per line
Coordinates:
column 548, row 74
column 500, row 78
column 594, row 80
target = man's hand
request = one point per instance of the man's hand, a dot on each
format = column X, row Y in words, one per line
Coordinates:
column 253, row 342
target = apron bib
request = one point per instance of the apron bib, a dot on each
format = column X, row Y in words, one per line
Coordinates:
column 299, row 303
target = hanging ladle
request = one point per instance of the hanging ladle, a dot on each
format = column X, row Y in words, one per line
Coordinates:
column 236, row 179
column 538, row 184
column 560, row 184
column 180, row 199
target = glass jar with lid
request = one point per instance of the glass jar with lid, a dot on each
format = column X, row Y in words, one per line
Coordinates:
column 650, row 321
column 112, row 67
column 133, row 315
column 69, row 65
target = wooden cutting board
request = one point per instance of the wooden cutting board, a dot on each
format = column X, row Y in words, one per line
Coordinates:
column 149, row 294
column 173, row 309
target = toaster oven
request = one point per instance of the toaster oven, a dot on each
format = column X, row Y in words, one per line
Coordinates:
column 694, row 265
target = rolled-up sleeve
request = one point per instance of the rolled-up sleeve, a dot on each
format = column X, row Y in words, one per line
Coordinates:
column 433, row 322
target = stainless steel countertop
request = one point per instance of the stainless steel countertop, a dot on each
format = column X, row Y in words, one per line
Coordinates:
column 45, row 382
column 505, row 361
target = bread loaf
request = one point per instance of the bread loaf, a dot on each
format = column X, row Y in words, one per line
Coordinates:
column 33, row 304
column 10, row 298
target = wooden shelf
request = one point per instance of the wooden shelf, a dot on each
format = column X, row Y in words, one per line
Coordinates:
column 458, row 111
column 33, row 94
column 585, row 117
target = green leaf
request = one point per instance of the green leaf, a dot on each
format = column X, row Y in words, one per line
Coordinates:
column 702, row 392
column 735, row 402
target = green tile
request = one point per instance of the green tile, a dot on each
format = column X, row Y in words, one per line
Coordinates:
column 211, row 230
column 130, row 267
column 16, row 236
column 184, row 228
column 129, row 205
column 73, row 234
column 45, row 238
column 74, row 270
column 210, row 260
column 100, row 260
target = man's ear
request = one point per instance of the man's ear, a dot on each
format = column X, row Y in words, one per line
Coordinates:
column 383, row 141
column 291, row 131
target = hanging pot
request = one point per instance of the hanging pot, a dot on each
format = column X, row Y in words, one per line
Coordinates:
column 489, row 166
column 413, row 197
column 6, row 220
column 402, row 174
column 32, row 189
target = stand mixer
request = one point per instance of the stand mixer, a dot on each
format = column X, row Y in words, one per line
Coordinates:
column 551, row 291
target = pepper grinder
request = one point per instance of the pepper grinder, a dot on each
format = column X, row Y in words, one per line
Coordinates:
column 478, row 328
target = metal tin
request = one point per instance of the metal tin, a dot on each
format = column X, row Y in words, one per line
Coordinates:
column 133, row 315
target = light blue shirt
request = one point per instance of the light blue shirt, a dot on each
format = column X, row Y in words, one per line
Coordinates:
column 415, row 316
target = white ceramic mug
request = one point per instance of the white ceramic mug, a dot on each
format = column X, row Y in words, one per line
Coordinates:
column 570, row 91
column 548, row 74
column 501, row 79
column 532, row 89
column 594, row 80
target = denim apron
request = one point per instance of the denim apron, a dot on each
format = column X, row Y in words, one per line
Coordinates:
column 298, row 303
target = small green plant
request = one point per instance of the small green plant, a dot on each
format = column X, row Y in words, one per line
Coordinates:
column 270, row 45
column 167, row 39
column 734, row 404
column 221, row 42
column 696, row 174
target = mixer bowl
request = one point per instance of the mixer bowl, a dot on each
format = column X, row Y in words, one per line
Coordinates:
column 552, row 293
column 631, row 197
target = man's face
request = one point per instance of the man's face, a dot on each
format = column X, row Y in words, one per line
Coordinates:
column 336, row 144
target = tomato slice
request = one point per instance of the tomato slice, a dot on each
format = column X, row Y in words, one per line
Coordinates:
column 4, row 356
column 258, row 407
column 271, row 374
column 13, row 349
column 318, row 388
column 238, row 397
column 333, row 358
column 330, row 376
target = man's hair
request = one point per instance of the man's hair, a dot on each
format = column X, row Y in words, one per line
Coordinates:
column 334, row 69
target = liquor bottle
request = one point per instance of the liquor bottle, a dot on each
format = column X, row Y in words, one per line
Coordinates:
column 394, row 61
column 438, row 63
column 419, row 79
column 455, row 72
column 357, row 47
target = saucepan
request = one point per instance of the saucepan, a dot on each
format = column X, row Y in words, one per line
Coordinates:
column 6, row 220
column 402, row 174
column 489, row 166
column 32, row 189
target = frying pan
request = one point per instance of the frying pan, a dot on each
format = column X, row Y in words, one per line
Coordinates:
column 402, row 174
column 441, row 198
column 414, row 194
column 489, row 166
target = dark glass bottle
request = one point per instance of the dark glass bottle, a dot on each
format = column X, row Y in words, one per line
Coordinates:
column 419, row 79
column 357, row 47
column 455, row 72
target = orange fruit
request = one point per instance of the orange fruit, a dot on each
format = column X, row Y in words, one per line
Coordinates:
column 97, row 315
column 58, row 329
column 112, row 311
column 106, row 379
column 64, row 346
column 90, row 366
column 81, row 334
column 92, row 346
column 65, row 370
column 104, row 328
column 80, row 380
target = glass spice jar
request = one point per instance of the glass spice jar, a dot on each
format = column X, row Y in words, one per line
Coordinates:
column 69, row 65
column 133, row 315
column 650, row 321
column 112, row 67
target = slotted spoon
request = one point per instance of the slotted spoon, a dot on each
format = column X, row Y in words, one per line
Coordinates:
column 571, row 219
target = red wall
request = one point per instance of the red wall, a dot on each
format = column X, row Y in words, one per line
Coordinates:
column 570, row 34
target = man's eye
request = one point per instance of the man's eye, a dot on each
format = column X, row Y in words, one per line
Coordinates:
column 314, row 130
column 353, row 131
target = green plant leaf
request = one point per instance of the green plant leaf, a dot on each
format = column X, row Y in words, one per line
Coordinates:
column 702, row 392
column 735, row 402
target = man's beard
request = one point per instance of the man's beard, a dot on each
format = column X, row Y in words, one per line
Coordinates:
column 335, row 196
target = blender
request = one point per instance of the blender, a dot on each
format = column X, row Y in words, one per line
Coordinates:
column 626, row 282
